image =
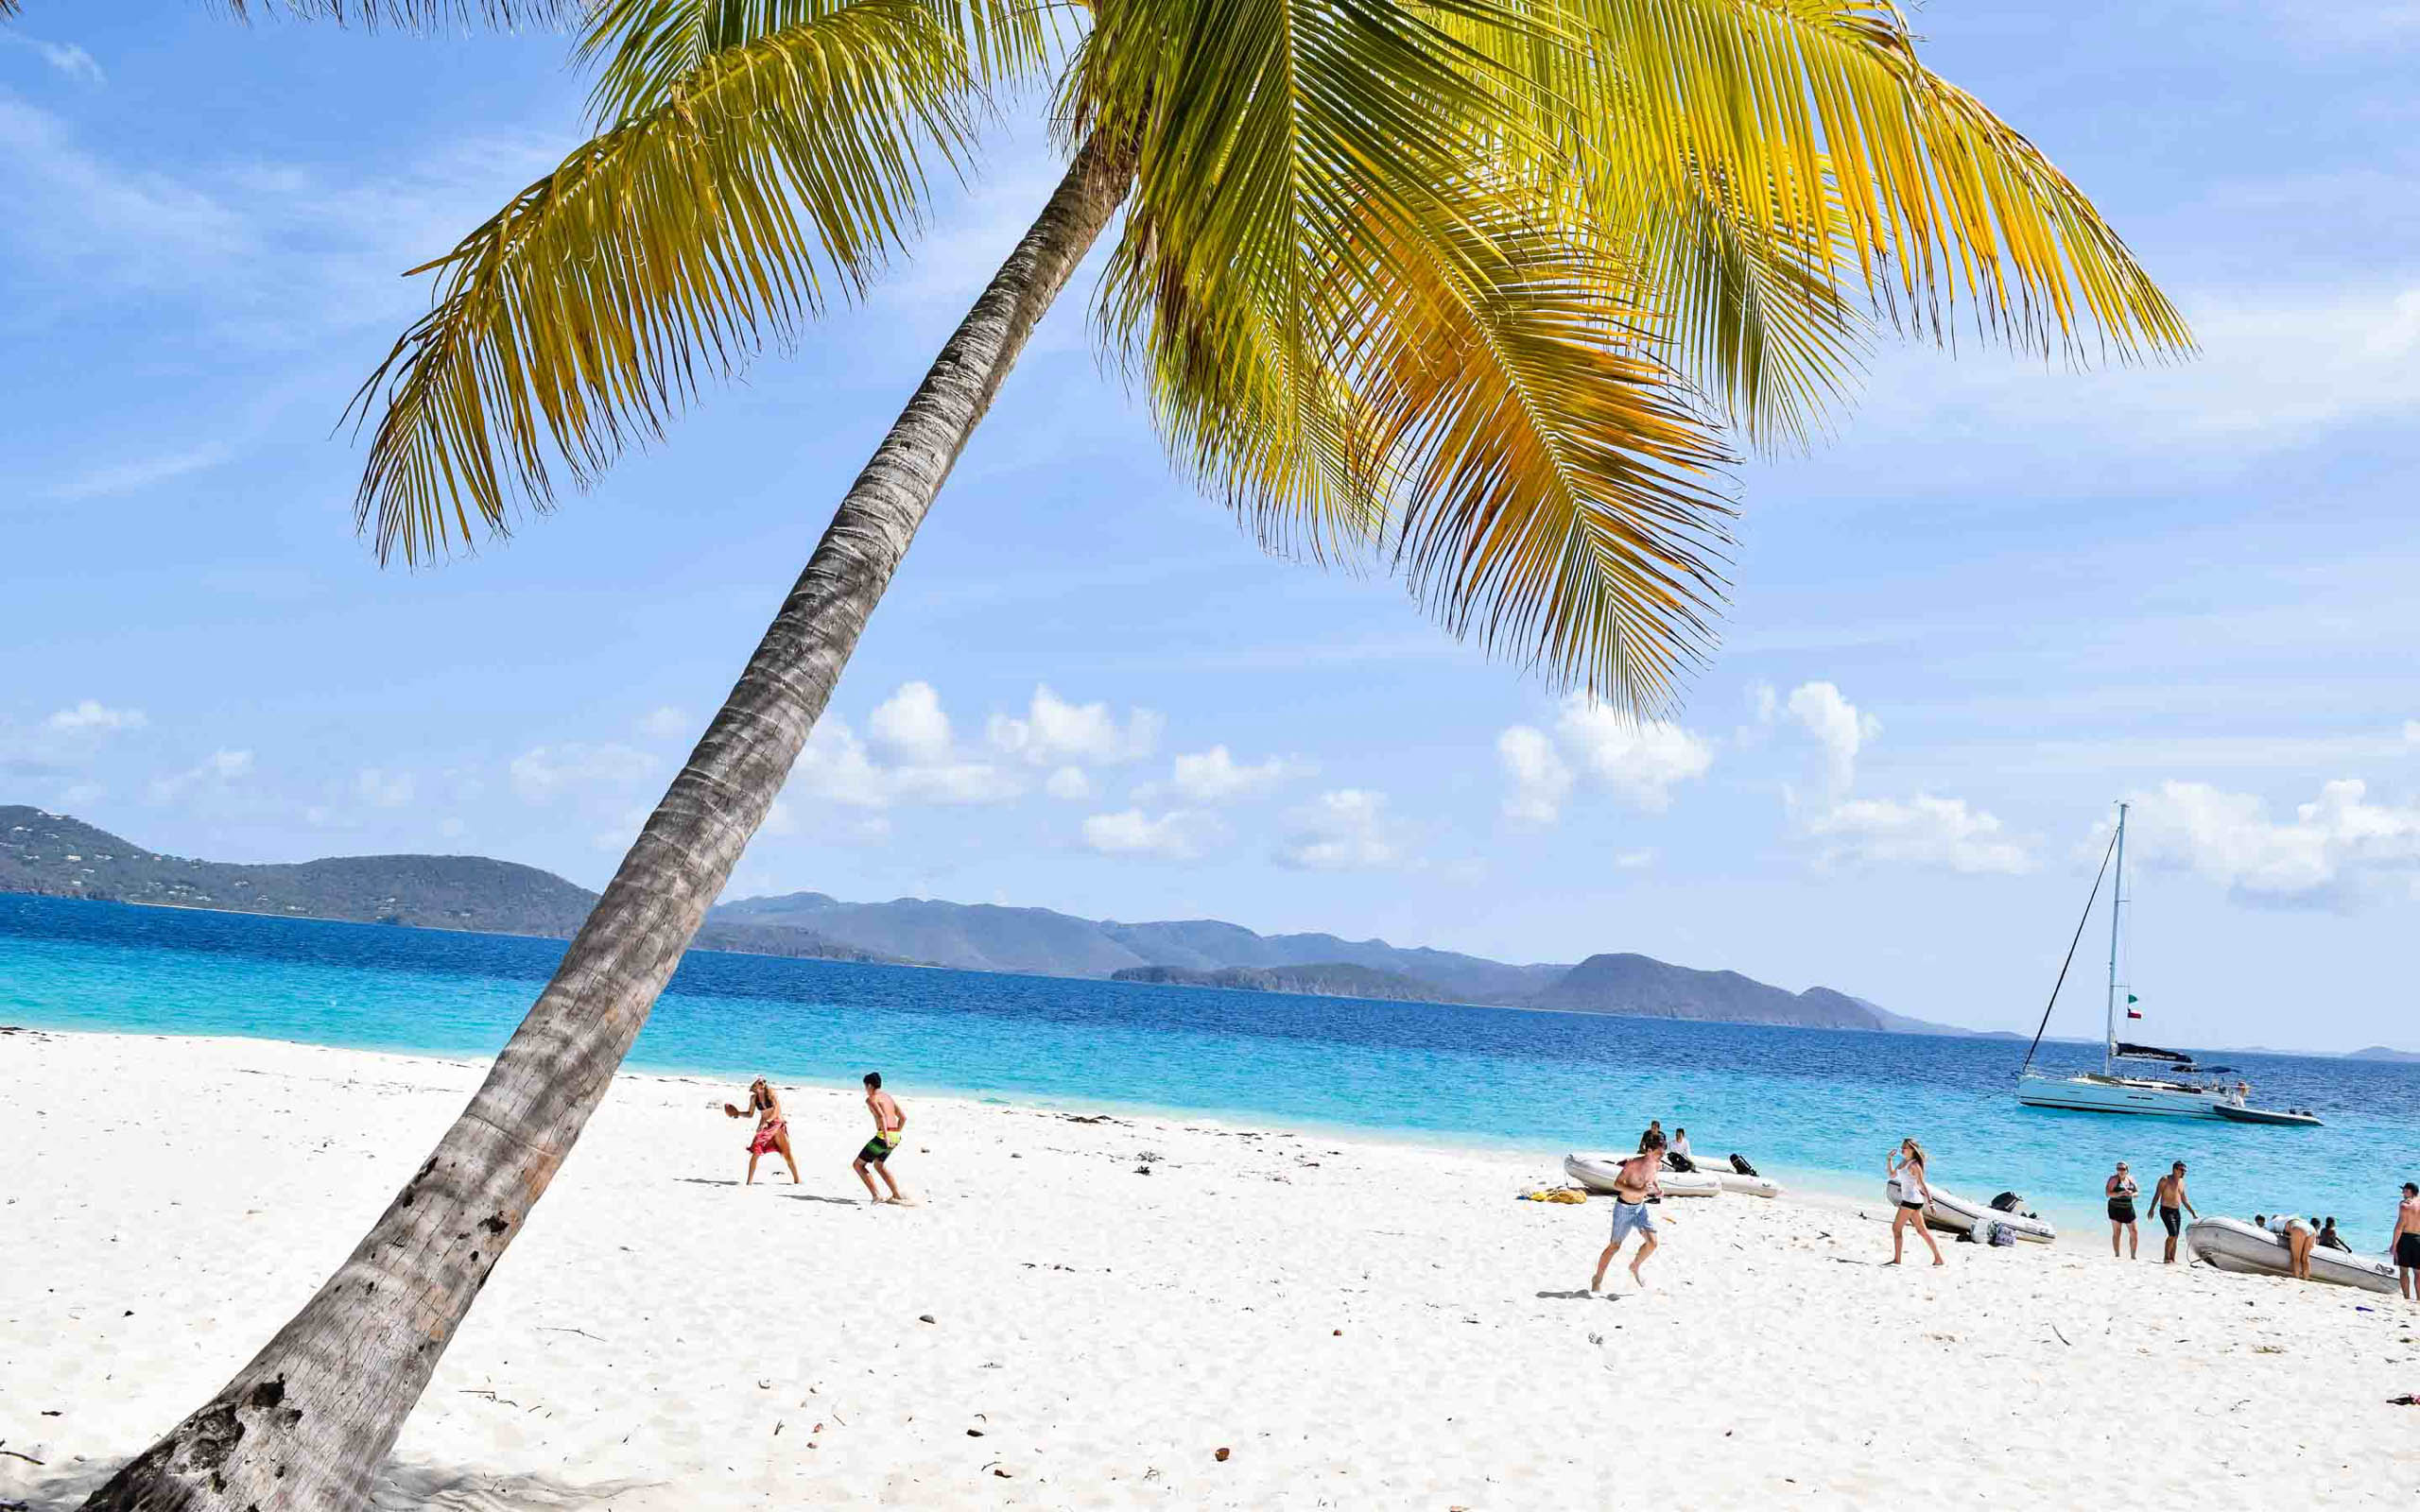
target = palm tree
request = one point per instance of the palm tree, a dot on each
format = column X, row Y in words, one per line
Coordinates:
column 1480, row 290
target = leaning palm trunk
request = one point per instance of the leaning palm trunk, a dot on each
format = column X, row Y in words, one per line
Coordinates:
column 308, row 1423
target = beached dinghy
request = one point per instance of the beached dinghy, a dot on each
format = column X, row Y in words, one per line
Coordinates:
column 1959, row 1215
column 2231, row 1244
column 1597, row 1173
column 1738, row 1181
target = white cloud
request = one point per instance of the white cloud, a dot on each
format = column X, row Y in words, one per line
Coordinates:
column 779, row 820
column 1214, row 776
column 1055, row 732
column 92, row 715
column 222, row 766
column 2411, row 732
column 1540, row 778
column 911, row 725
column 837, row 767
column 81, row 794
column 66, row 56
column 452, row 829
column 1641, row 760
column 665, row 722
column 1177, row 836
column 1347, row 829
column 1069, row 782
column 1633, row 860
column 137, row 473
column 1838, row 727
column 1923, row 831
column 384, row 789
column 2337, row 842
column 542, row 773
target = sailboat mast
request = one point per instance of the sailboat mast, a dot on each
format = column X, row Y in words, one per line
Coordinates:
column 2116, row 906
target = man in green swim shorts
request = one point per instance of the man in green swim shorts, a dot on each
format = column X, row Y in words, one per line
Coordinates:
column 889, row 1127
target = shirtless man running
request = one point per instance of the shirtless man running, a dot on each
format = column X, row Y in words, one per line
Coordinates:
column 2169, row 1198
column 1633, row 1185
column 889, row 1127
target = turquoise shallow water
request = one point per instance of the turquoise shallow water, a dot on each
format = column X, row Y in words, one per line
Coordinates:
column 1818, row 1107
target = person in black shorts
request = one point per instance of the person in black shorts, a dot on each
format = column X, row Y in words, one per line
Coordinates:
column 2120, row 1190
column 2169, row 1198
column 2405, row 1243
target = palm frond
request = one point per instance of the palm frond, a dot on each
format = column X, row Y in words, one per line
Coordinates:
column 419, row 16
column 648, row 46
column 773, row 175
column 1821, row 107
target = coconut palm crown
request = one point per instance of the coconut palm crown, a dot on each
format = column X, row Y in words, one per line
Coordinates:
column 1489, row 289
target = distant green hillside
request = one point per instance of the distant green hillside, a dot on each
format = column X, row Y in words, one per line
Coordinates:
column 63, row 857
column 1333, row 979
column 55, row 854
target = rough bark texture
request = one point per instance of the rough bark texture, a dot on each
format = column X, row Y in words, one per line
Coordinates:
column 308, row 1423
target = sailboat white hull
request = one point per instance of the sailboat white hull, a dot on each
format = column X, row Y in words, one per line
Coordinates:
column 2117, row 1094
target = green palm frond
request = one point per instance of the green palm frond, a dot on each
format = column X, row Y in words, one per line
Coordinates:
column 772, row 175
column 648, row 46
column 422, row 16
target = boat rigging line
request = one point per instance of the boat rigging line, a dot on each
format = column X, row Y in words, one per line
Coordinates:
column 2044, row 1026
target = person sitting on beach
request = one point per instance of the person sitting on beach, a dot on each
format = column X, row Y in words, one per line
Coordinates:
column 1634, row 1184
column 889, row 1127
column 2169, row 1198
column 772, row 1129
column 1654, row 1132
column 2405, row 1243
column 2330, row 1238
column 1681, row 1144
column 2121, row 1188
column 1906, row 1165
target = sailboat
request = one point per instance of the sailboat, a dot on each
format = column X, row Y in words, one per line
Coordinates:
column 2134, row 1078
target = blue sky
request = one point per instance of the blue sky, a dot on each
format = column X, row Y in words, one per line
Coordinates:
column 2002, row 597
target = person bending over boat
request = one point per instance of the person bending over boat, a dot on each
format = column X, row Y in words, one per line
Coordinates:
column 2405, row 1243
column 772, row 1129
column 889, row 1127
column 2121, row 1188
column 1634, row 1184
column 1906, row 1167
column 2298, row 1243
column 2169, row 1198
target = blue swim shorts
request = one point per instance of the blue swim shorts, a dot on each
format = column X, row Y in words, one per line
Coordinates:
column 1632, row 1217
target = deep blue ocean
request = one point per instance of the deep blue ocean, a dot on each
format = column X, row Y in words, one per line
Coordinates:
column 1818, row 1107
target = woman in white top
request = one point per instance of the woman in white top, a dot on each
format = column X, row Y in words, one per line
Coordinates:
column 1681, row 1142
column 1907, row 1166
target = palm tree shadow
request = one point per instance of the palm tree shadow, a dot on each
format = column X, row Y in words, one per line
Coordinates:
column 419, row 1488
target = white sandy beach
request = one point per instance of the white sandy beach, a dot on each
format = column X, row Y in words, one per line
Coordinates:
column 1361, row 1325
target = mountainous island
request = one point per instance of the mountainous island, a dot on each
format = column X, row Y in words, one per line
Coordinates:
column 2382, row 1052
column 56, row 855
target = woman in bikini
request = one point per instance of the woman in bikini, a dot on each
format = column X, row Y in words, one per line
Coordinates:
column 772, row 1129
column 1906, row 1167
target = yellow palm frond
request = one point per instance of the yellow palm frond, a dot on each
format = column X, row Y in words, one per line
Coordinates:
column 1821, row 107
column 772, row 175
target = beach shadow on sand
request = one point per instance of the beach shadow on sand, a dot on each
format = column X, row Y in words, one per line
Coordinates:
column 399, row 1487
column 1579, row 1297
column 809, row 1196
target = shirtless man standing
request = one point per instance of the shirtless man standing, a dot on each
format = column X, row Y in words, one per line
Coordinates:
column 2405, row 1243
column 889, row 1127
column 1633, row 1185
column 2169, row 1198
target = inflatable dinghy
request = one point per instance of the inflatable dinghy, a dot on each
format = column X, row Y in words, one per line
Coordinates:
column 1598, row 1173
column 1959, row 1215
column 2230, row 1244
